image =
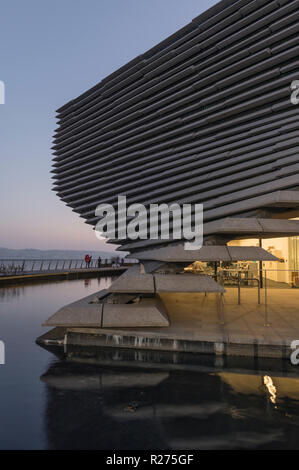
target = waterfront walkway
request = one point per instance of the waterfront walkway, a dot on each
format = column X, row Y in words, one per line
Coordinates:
column 78, row 273
column 23, row 270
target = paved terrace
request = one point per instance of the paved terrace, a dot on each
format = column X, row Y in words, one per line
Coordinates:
column 199, row 324
column 198, row 317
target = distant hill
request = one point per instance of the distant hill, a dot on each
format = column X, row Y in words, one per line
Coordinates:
column 31, row 253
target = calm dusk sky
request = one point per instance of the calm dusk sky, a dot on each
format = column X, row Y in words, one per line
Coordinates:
column 50, row 52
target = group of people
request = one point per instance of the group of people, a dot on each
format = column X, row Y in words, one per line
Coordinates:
column 116, row 262
column 88, row 259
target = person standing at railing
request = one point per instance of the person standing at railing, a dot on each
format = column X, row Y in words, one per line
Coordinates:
column 99, row 261
column 87, row 260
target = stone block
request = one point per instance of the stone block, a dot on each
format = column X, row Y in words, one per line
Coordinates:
column 146, row 313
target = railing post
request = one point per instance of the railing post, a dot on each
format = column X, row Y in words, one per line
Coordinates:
column 266, row 300
column 239, row 289
column 261, row 265
column 220, row 309
column 258, row 292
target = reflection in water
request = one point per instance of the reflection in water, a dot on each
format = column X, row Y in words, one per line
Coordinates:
column 110, row 401
column 10, row 293
column 271, row 388
column 126, row 399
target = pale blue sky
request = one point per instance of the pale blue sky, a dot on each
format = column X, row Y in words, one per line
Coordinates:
column 50, row 52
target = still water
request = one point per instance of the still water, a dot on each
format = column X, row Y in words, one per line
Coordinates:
column 118, row 399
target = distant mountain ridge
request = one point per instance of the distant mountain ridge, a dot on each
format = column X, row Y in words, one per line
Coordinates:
column 32, row 253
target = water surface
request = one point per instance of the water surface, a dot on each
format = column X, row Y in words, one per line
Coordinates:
column 121, row 399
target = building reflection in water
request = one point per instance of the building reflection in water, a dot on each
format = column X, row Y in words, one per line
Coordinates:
column 143, row 400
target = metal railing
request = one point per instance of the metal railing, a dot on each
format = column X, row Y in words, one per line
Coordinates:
column 264, row 282
column 239, row 277
column 293, row 282
column 27, row 266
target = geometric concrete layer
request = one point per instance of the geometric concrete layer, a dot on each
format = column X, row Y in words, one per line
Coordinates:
column 79, row 313
column 138, row 283
column 245, row 227
column 156, row 283
column 145, row 313
column 250, row 253
column 192, row 283
column 177, row 253
column 254, row 227
column 205, row 116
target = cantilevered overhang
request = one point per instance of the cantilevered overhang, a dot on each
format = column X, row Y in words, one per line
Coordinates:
column 239, row 228
column 159, row 283
column 178, row 254
column 279, row 203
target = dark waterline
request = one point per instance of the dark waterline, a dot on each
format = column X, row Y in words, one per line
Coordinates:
column 117, row 399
